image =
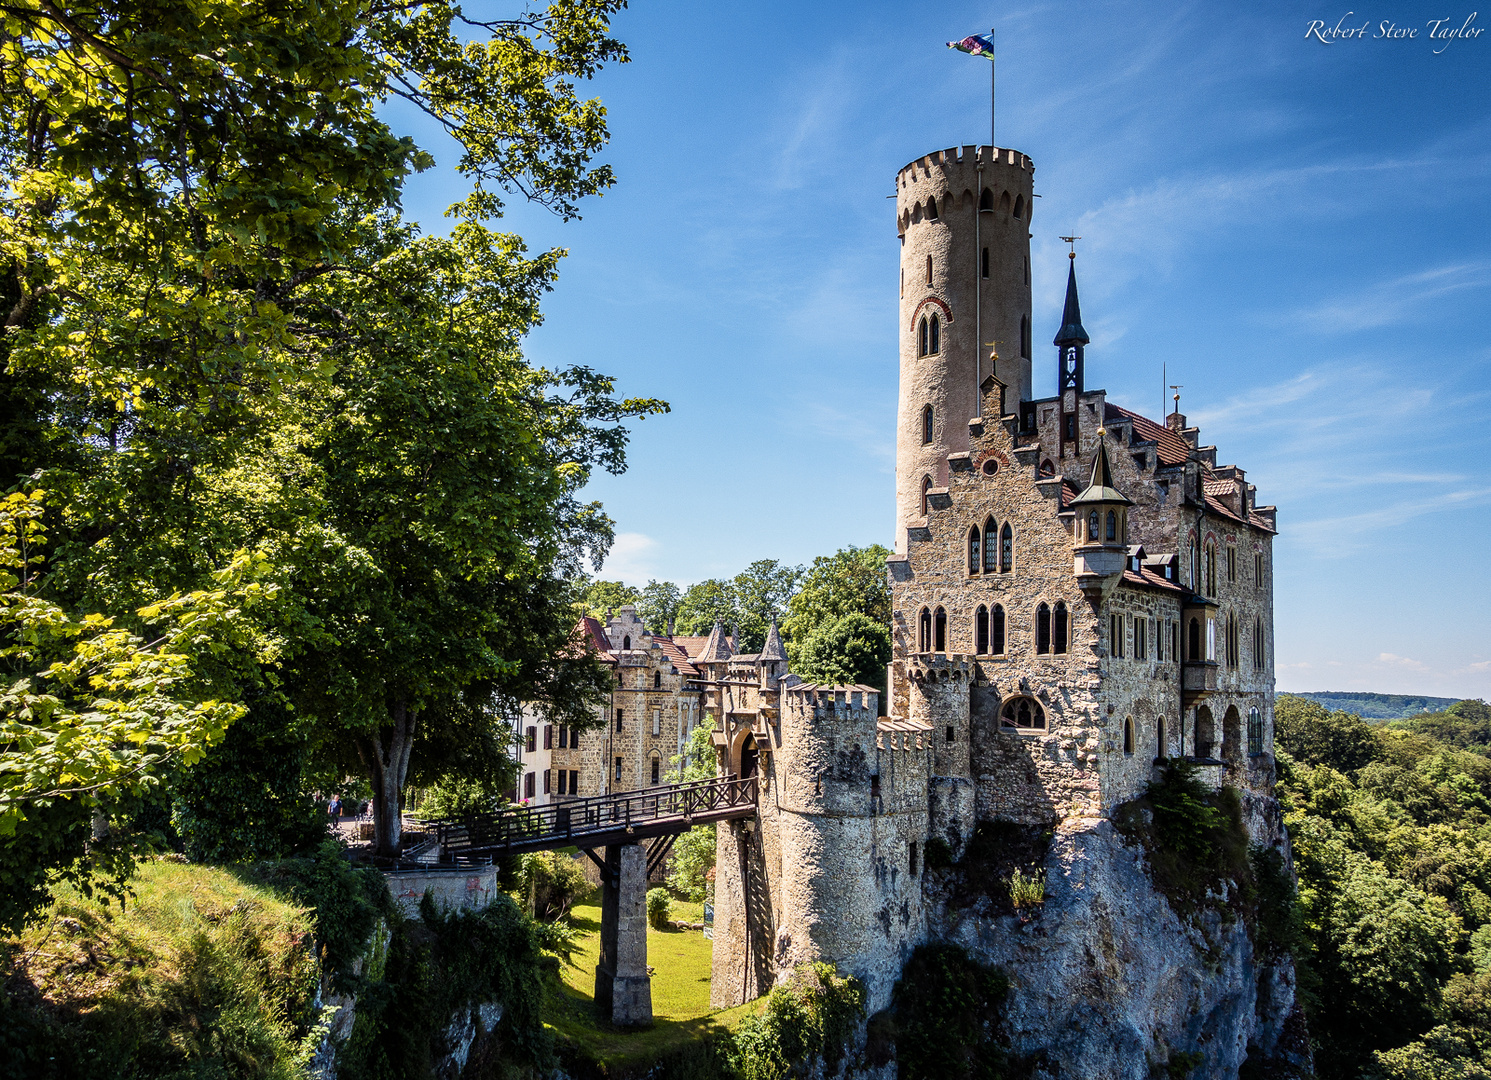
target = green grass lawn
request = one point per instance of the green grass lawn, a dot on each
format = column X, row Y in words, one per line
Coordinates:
column 680, row 993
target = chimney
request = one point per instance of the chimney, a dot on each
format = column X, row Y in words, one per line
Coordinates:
column 1176, row 422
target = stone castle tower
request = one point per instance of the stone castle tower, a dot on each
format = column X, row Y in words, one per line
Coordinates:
column 1080, row 597
column 964, row 223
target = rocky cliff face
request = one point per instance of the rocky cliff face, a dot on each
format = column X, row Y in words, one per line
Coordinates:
column 1108, row 980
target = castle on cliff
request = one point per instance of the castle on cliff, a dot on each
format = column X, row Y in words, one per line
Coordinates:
column 1078, row 592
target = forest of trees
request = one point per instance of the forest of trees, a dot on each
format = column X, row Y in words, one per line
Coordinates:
column 1391, row 829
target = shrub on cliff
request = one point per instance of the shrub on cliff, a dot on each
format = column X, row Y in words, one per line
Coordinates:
column 812, row 1016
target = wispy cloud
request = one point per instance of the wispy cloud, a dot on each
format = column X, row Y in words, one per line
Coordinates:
column 1405, row 298
column 632, row 559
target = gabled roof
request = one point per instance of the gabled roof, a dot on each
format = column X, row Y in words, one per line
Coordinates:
column 1148, row 578
column 1172, row 447
column 675, row 653
column 692, row 646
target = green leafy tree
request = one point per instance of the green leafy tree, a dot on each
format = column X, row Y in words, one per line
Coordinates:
column 659, row 605
column 92, row 715
column 855, row 649
column 603, row 598
column 1315, row 735
column 762, row 591
column 694, row 851
column 851, row 580
column 706, row 602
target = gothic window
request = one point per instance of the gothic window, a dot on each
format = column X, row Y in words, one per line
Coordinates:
column 991, row 546
column 656, row 769
column 1231, row 563
column 926, row 502
column 1128, row 736
column 996, row 631
column 939, row 630
column 932, row 209
column 1059, row 629
column 1093, row 528
column 1025, row 336
column 922, row 331
column 1022, row 714
column 1193, row 645
column 981, row 631
column 1047, row 469
column 1112, row 527
column 1139, row 642
column 1232, row 641
column 984, row 263
column 935, row 340
column 928, row 423
column 1007, row 548
column 986, row 200
column 924, row 632
column 1211, row 569
column 1115, row 635
column 1004, row 203
column 1042, row 630
column 1258, row 570
column 975, row 558
column 1019, row 206
column 1255, row 731
column 1258, row 644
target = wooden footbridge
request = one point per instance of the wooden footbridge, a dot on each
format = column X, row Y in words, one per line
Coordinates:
column 618, row 825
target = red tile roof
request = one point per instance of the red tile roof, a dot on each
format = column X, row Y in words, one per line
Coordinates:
column 675, row 653
column 589, row 634
column 1173, row 449
column 692, row 646
column 1148, row 578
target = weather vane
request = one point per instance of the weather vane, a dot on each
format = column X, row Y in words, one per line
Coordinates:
column 1073, row 241
column 1177, row 388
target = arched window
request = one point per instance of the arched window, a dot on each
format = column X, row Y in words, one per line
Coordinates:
column 1042, row 630
column 986, row 200
column 626, row 641
column 1112, row 527
column 657, row 768
column 1233, row 642
column 657, row 680
column 922, row 333
column 981, row 631
column 1047, row 469
column 924, row 632
column 928, row 419
column 1022, row 714
column 1211, row 569
column 1093, row 527
column 1258, row 644
column 996, row 631
column 1019, row 206
column 1004, row 203
column 939, row 631
column 926, row 501
column 991, row 546
column 975, row 559
column 1193, row 642
column 1255, row 731
column 935, row 343
column 929, row 269
column 1024, row 335
column 1161, row 749
column 1006, row 548
column 1128, row 736
column 932, row 209
column 1059, row 629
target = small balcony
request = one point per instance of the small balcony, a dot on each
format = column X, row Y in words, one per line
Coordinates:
column 1197, row 679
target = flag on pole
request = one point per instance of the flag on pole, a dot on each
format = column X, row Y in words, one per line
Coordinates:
column 974, row 46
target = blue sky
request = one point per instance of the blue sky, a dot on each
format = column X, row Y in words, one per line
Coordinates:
column 1298, row 230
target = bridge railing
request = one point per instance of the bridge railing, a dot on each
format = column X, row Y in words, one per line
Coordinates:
column 588, row 819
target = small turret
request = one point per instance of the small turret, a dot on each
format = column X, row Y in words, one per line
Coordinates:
column 773, row 658
column 1071, row 342
column 1100, row 532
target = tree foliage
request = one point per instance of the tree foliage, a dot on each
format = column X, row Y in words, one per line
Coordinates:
column 851, row 581
column 855, row 649
column 745, row 604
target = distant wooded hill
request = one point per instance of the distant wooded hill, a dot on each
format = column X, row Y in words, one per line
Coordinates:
column 1380, row 706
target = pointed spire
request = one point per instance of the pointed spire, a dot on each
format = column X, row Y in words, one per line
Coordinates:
column 1071, row 332
column 773, row 650
column 1100, row 488
column 716, row 647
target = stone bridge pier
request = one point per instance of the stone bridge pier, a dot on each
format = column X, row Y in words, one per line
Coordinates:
column 623, row 989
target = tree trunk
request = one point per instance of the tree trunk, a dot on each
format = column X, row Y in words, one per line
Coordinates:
column 386, row 755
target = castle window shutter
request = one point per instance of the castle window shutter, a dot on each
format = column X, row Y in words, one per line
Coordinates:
column 548, row 736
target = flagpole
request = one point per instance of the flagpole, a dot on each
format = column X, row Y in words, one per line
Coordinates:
column 991, row 90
